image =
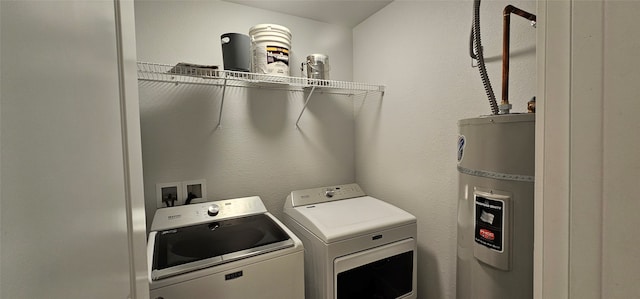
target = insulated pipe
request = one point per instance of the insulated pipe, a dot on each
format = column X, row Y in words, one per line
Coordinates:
column 508, row 10
column 481, row 65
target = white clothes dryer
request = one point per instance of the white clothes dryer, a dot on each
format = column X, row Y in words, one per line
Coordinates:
column 227, row 249
column 356, row 246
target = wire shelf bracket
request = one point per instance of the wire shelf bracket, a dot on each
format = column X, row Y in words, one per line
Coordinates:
column 224, row 89
column 305, row 105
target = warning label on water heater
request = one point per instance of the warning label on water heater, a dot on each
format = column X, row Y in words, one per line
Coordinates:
column 489, row 223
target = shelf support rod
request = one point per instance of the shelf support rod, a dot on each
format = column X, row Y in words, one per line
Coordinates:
column 305, row 105
column 224, row 89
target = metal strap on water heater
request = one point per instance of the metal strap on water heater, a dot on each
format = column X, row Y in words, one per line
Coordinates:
column 496, row 175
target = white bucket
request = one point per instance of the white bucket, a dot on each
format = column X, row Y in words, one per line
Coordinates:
column 271, row 47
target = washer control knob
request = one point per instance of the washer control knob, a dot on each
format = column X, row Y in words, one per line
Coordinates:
column 213, row 210
column 329, row 193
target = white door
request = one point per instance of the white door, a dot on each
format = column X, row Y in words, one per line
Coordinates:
column 67, row 205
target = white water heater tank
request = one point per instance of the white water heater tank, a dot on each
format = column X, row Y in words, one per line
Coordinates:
column 495, row 207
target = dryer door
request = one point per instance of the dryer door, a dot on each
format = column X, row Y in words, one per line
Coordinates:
column 386, row 272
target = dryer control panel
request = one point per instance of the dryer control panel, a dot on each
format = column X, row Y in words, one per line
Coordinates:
column 324, row 194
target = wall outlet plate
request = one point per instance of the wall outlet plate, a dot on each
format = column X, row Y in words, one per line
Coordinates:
column 194, row 191
column 169, row 195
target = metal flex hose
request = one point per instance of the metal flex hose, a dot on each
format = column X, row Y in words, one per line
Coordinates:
column 481, row 66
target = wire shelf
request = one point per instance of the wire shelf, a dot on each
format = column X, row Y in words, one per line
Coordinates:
column 192, row 74
column 211, row 75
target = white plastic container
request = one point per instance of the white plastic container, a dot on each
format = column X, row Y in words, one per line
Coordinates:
column 271, row 47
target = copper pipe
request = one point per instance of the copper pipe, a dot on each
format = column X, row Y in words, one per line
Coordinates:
column 505, row 46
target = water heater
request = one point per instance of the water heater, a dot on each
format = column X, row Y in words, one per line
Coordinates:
column 495, row 207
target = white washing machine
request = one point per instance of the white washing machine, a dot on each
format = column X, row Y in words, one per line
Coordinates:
column 356, row 246
column 228, row 249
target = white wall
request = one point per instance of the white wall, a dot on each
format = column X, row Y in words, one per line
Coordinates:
column 257, row 150
column 406, row 142
column 590, row 107
column 69, row 226
column 597, row 223
column 553, row 151
column 621, row 144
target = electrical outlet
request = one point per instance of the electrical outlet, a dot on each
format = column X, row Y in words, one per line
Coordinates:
column 169, row 195
column 194, row 191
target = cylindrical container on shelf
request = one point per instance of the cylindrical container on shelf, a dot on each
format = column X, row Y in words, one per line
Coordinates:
column 271, row 47
column 236, row 52
column 317, row 66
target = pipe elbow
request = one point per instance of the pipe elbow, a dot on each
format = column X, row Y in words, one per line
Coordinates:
column 508, row 10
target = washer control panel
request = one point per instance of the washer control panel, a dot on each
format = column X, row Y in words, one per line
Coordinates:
column 167, row 218
column 324, row 194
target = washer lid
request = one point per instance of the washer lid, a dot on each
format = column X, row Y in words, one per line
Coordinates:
column 185, row 249
column 342, row 219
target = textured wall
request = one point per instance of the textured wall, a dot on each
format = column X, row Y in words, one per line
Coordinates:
column 406, row 142
column 257, row 150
